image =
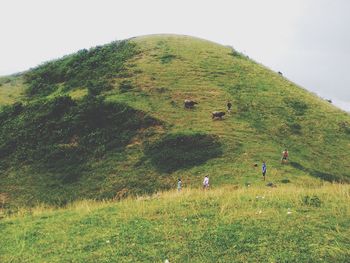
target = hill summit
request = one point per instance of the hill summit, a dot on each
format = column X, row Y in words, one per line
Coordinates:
column 110, row 121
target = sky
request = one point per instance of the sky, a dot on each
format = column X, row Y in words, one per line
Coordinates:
column 307, row 40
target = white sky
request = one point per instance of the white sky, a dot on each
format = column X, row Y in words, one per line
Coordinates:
column 308, row 40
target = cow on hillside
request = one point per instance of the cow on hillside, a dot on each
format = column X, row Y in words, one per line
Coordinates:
column 189, row 104
column 217, row 115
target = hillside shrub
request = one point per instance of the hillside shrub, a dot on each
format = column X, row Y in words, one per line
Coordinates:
column 314, row 201
column 285, row 181
column 299, row 107
column 235, row 53
column 345, row 127
column 295, row 128
column 10, row 110
column 60, row 135
column 93, row 68
column 183, row 150
column 125, row 86
column 96, row 87
column 167, row 58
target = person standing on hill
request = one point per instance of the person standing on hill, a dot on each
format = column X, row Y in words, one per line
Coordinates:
column 206, row 182
column 284, row 156
column 179, row 184
column 229, row 106
column 264, row 168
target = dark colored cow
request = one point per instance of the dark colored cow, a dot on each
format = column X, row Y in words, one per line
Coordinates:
column 217, row 114
column 189, row 104
column 279, row 72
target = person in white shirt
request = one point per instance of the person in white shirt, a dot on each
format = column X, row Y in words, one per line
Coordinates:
column 179, row 184
column 206, row 182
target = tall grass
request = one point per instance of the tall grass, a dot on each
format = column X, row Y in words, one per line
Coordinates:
column 226, row 224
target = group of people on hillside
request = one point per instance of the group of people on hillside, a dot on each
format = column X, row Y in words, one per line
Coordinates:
column 284, row 160
column 205, row 183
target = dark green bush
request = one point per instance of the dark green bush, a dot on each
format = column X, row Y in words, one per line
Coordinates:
column 235, row 53
column 299, row 107
column 10, row 110
column 345, row 126
column 167, row 58
column 61, row 135
column 285, row 181
column 125, row 86
column 183, row 150
column 96, row 87
column 295, row 128
column 93, row 68
column 314, row 201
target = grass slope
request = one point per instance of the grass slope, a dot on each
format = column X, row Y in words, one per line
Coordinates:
column 225, row 224
column 152, row 76
column 11, row 89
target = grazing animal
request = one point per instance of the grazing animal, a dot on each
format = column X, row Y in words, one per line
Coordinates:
column 217, row 114
column 189, row 104
column 279, row 72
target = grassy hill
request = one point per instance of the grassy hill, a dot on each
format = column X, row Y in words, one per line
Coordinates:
column 108, row 122
column 226, row 224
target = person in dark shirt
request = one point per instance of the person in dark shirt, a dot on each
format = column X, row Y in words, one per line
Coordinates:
column 264, row 168
column 229, row 106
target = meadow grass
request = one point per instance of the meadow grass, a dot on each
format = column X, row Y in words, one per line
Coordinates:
column 11, row 89
column 224, row 224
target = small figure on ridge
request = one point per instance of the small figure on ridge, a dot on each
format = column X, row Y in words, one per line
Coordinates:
column 264, row 168
column 284, row 156
column 206, row 182
column 229, row 106
column 179, row 184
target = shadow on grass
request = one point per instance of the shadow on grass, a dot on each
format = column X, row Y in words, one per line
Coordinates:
column 182, row 150
column 322, row 175
column 61, row 136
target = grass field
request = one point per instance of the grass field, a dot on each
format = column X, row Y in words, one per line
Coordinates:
column 224, row 224
column 92, row 145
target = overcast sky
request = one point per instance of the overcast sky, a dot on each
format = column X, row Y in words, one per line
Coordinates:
column 308, row 40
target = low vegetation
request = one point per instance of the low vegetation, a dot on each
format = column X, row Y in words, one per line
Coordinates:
column 225, row 224
column 94, row 68
column 61, row 136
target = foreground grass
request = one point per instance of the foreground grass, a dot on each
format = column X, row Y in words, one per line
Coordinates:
column 227, row 224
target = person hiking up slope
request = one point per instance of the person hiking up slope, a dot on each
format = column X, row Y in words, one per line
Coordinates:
column 179, row 184
column 264, row 168
column 206, row 182
column 284, row 156
column 229, row 106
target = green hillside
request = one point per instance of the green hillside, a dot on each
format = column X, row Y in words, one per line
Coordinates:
column 227, row 224
column 108, row 122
